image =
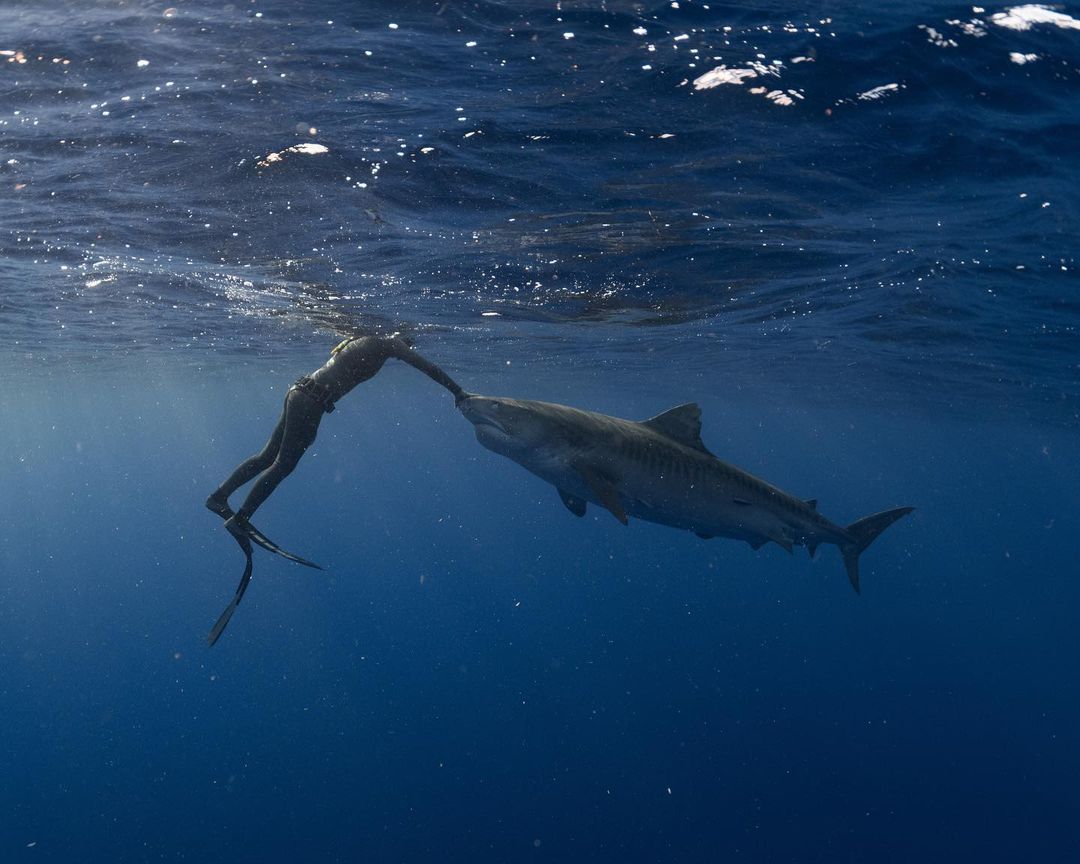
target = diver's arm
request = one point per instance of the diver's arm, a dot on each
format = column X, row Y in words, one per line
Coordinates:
column 404, row 352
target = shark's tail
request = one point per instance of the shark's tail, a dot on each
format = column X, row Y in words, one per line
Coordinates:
column 863, row 533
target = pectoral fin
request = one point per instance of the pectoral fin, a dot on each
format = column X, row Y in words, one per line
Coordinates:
column 784, row 542
column 574, row 504
column 604, row 490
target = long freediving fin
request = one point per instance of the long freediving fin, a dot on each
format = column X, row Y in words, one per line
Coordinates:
column 223, row 619
column 219, row 627
column 269, row 545
column 240, row 527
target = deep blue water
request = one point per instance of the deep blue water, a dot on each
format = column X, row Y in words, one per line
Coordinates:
column 871, row 291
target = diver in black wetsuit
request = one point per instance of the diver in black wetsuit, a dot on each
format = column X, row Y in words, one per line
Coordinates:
column 351, row 362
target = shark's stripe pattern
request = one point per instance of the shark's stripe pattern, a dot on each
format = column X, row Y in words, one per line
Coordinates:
column 659, row 470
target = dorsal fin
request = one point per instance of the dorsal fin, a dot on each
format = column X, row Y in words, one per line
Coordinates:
column 811, row 503
column 681, row 423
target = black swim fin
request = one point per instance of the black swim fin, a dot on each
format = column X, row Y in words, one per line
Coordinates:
column 269, row 545
column 223, row 620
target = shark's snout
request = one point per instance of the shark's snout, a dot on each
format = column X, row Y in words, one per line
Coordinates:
column 481, row 411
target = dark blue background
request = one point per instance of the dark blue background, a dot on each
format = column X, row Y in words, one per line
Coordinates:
column 478, row 670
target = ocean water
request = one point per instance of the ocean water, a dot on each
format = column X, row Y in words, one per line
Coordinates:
column 848, row 231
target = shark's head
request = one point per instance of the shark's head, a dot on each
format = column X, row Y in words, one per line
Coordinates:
column 510, row 427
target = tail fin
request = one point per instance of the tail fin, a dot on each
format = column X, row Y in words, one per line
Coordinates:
column 863, row 533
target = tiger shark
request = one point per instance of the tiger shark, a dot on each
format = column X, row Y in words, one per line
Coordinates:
column 659, row 470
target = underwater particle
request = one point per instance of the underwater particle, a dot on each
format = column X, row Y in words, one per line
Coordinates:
column 567, row 35
column 142, row 64
column 1020, row 59
column 169, row 13
column 392, row 26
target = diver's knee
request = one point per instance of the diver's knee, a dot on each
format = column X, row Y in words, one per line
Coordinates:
column 285, row 465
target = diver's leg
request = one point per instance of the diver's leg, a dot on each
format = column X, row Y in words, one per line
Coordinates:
column 218, row 502
column 300, row 424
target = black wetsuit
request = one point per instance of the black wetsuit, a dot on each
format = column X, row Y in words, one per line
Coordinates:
column 353, row 362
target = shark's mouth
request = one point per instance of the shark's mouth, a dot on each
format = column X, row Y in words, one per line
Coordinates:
column 474, row 412
column 490, row 422
column 491, row 433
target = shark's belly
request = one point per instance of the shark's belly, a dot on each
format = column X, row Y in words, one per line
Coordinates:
column 711, row 512
column 705, row 502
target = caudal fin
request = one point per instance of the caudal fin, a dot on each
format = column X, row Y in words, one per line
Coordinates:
column 863, row 533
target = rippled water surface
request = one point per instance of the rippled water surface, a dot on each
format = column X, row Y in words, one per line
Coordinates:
column 866, row 196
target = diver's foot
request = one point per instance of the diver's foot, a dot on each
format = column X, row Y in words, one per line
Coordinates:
column 238, row 527
column 219, row 506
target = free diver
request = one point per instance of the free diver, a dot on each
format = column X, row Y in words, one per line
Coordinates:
column 352, row 361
